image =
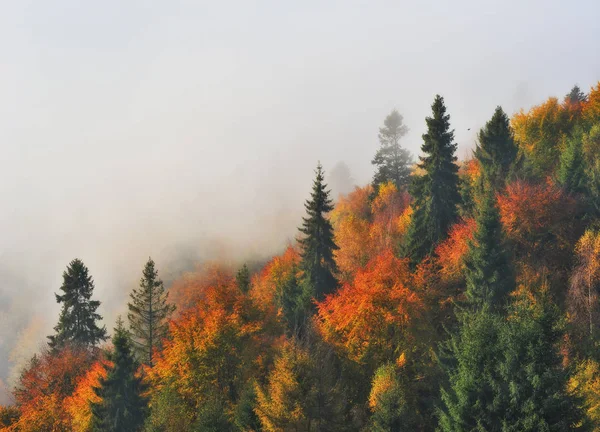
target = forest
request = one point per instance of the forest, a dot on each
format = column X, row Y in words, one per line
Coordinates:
column 446, row 295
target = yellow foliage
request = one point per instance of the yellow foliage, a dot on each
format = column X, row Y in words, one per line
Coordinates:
column 586, row 384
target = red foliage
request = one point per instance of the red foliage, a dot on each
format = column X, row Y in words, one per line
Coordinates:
column 190, row 288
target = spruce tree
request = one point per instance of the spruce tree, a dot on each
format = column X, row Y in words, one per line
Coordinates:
column 496, row 150
column 122, row 406
column 532, row 369
column 317, row 242
column 78, row 319
column 474, row 400
column 571, row 172
column 436, row 193
column 242, row 279
column 392, row 161
column 575, row 96
column 488, row 275
column 148, row 313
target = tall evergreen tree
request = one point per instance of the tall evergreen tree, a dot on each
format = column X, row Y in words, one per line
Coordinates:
column 78, row 319
column 242, row 279
column 148, row 313
column 436, row 192
column 575, row 96
column 532, row 369
column 496, row 150
column 392, row 161
column 488, row 274
column 317, row 242
column 474, row 400
column 122, row 406
column 571, row 172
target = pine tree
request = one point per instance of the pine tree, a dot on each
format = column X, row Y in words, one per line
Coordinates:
column 571, row 172
column 77, row 323
column 496, row 150
column 148, row 313
column 122, row 406
column 488, row 275
column 317, row 242
column 242, row 279
column 392, row 161
column 436, row 192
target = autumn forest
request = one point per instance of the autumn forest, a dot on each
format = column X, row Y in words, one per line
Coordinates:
column 446, row 295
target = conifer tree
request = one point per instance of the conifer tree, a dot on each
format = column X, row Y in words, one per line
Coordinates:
column 575, row 96
column 436, row 192
column 122, row 406
column 392, row 161
column 532, row 369
column 571, row 172
column 242, row 279
column 474, row 399
column 317, row 242
column 148, row 313
column 78, row 319
column 496, row 150
column 488, row 275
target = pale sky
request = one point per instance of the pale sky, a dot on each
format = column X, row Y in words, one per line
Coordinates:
column 185, row 129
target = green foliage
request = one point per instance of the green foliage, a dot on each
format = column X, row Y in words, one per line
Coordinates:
column 506, row 374
column 436, row 192
column 488, row 275
column 77, row 323
column 293, row 296
column 392, row 161
column 391, row 412
column 317, row 242
column 496, row 150
column 242, row 279
column 123, row 406
column 532, row 370
column 245, row 417
column 212, row 417
column 148, row 313
column 571, row 172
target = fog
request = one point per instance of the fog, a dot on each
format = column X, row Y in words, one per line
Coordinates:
column 189, row 131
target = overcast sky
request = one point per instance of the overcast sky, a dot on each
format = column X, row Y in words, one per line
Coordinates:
column 190, row 129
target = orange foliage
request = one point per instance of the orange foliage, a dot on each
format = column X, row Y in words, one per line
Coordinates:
column 264, row 284
column 537, row 216
column 44, row 385
column 591, row 108
column 451, row 252
column 207, row 347
column 388, row 208
column 364, row 228
column 189, row 289
column 78, row 404
column 371, row 315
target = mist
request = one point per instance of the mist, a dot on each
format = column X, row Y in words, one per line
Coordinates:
column 189, row 131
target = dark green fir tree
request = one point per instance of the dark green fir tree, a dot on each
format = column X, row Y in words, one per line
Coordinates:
column 242, row 279
column 122, row 406
column 317, row 242
column 391, row 160
column 148, row 313
column 78, row 321
column 488, row 274
column 496, row 150
column 533, row 374
column 571, row 172
column 436, row 192
column 575, row 96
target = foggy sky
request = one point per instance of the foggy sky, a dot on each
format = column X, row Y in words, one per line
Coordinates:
column 190, row 130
